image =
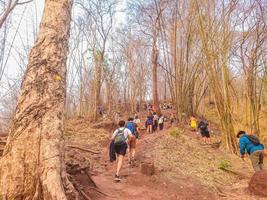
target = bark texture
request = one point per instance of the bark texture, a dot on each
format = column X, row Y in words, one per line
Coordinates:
column 32, row 165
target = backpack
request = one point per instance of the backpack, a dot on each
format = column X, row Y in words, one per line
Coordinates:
column 161, row 120
column 203, row 126
column 131, row 127
column 253, row 139
column 120, row 138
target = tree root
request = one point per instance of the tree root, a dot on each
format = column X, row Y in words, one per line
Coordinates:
column 85, row 196
column 83, row 149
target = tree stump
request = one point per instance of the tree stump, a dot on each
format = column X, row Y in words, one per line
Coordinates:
column 258, row 183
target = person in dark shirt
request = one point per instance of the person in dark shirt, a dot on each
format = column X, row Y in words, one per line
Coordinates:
column 204, row 131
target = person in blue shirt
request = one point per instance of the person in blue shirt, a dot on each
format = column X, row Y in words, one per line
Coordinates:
column 251, row 145
column 132, row 143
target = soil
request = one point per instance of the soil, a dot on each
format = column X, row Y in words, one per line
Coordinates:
column 184, row 168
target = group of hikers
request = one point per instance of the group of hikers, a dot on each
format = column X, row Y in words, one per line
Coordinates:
column 124, row 138
column 248, row 143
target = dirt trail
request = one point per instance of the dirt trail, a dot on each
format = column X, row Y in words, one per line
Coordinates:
column 185, row 169
column 136, row 185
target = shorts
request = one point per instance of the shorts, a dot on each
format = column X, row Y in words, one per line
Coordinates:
column 132, row 142
column 205, row 134
column 121, row 149
column 149, row 122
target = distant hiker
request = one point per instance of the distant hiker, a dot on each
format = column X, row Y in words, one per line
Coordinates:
column 251, row 144
column 137, row 121
column 149, row 123
column 161, row 122
column 150, row 107
column 145, row 107
column 120, row 138
column 117, row 117
column 100, row 111
column 204, row 131
column 155, row 122
column 132, row 142
column 193, row 123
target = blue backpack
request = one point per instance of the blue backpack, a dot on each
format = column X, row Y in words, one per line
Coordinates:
column 131, row 127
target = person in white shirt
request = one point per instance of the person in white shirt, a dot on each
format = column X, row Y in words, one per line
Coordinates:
column 120, row 138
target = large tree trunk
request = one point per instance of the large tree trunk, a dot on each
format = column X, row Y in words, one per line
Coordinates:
column 32, row 165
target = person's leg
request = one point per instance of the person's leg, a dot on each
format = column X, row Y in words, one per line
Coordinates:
column 208, row 139
column 132, row 155
column 132, row 150
column 204, row 139
column 261, row 161
column 150, row 129
column 119, row 165
column 255, row 160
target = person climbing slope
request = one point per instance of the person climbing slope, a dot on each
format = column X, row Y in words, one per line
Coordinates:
column 155, row 122
column 137, row 122
column 251, row 144
column 120, row 138
column 161, row 122
column 149, row 123
column 204, row 131
column 193, row 123
column 132, row 142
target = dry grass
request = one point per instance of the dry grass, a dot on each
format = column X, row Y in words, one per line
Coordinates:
column 184, row 155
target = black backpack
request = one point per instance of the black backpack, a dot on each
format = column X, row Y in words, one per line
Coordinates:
column 253, row 139
column 203, row 126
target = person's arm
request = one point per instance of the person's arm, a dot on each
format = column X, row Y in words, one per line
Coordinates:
column 113, row 135
column 242, row 146
column 129, row 133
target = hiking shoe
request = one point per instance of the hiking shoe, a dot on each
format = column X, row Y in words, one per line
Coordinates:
column 117, row 178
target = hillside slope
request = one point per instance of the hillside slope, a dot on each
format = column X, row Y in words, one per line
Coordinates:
column 185, row 169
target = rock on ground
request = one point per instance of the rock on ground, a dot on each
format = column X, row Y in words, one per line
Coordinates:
column 258, row 183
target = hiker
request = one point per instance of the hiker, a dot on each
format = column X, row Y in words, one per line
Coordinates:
column 137, row 121
column 161, row 122
column 132, row 142
column 193, row 123
column 204, row 131
column 149, row 123
column 117, row 117
column 120, row 138
column 155, row 122
column 251, row 144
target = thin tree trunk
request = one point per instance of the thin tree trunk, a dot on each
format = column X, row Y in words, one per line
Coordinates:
column 32, row 165
column 155, row 77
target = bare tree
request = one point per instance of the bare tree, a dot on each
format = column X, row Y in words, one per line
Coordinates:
column 8, row 7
